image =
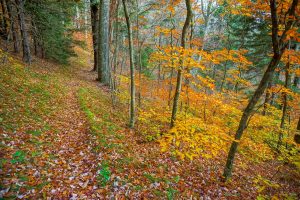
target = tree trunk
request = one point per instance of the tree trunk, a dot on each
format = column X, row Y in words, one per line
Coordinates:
column 179, row 74
column 297, row 134
column 140, row 76
column 132, row 86
column 139, row 61
column 103, row 43
column 172, row 68
column 86, row 5
column 116, row 53
column 279, row 46
column 4, row 24
column 77, row 18
column 43, row 51
column 159, row 67
column 13, row 27
column 24, row 34
column 296, row 81
column 95, row 30
column 267, row 98
column 246, row 114
column 170, row 88
column 34, row 36
column 284, row 105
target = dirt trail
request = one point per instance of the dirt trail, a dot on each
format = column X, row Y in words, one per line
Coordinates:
column 74, row 169
column 58, row 161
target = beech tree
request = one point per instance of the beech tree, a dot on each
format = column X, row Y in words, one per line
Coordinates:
column 279, row 46
column 104, row 72
column 131, row 59
column 179, row 72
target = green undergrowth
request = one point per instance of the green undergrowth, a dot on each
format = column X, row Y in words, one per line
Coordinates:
column 99, row 119
column 103, row 129
column 27, row 97
column 111, row 138
column 31, row 97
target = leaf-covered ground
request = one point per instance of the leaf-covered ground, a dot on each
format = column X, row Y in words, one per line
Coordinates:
column 62, row 139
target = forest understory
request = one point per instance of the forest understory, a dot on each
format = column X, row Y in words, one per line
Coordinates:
column 146, row 99
column 63, row 139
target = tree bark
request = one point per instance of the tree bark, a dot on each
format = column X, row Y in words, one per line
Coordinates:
column 172, row 68
column 24, row 34
column 179, row 74
column 116, row 53
column 297, row 134
column 284, row 106
column 267, row 98
column 34, row 36
column 95, row 30
column 132, row 86
column 103, row 59
column 13, row 27
column 296, row 81
column 279, row 46
column 4, row 25
column 139, row 60
column 159, row 67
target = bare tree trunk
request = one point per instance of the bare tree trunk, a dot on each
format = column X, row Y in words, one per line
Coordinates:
column 34, row 36
column 179, row 74
column 95, row 30
column 103, row 59
column 140, row 76
column 172, row 69
column 139, row 49
column 279, row 46
column 86, row 5
column 116, row 54
column 4, row 24
column 170, row 88
column 132, row 86
column 24, row 34
column 13, row 27
column 284, row 106
column 43, row 51
column 77, row 18
column 224, row 76
column 159, row 66
column 296, row 81
column 267, row 98
column 297, row 135
column 112, row 12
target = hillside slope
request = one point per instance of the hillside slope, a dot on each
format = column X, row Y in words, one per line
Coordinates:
column 61, row 138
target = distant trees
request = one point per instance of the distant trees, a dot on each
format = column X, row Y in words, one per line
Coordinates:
column 44, row 27
column 52, row 43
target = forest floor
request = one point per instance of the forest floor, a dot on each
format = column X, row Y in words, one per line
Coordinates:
column 61, row 138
